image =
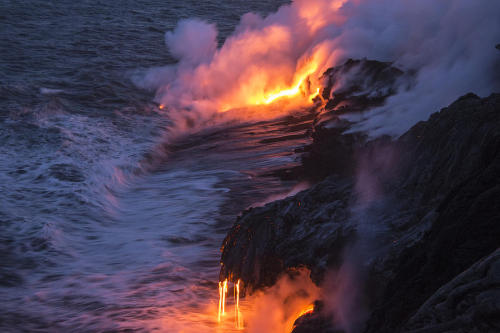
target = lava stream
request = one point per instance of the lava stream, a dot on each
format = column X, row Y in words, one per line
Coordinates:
column 223, row 289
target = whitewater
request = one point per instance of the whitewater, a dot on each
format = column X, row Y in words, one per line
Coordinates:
column 105, row 225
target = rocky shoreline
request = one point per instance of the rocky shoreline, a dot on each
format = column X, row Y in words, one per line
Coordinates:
column 421, row 213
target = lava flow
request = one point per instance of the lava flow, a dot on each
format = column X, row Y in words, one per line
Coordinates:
column 239, row 317
column 294, row 90
column 223, row 289
column 300, row 91
column 222, row 299
column 307, row 310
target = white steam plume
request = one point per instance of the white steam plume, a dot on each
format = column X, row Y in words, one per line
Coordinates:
column 450, row 43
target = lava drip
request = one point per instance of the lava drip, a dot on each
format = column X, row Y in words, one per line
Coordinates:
column 223, row 289
column 222, row 299
column 239, row 317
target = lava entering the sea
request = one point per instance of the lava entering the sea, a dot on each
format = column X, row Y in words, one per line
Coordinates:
column 223, row 290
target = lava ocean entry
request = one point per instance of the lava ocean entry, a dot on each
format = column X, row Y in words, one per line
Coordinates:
column 326, row 166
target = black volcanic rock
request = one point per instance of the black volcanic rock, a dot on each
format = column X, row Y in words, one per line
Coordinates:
column 468, row 303
column 360, row 84
column 452, row 170
column 355, row 86
column 331, row 152
column 314, row 322
column 435, row 212
column 266, row 241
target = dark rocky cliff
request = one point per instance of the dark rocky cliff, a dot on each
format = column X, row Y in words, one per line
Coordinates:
column 428, row 205
column 452, row 169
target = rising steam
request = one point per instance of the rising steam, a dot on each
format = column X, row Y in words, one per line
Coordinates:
column 276, row 309
column 449, row 43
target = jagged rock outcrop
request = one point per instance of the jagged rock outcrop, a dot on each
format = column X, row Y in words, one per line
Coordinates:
column 267, row 240
column 435, row 211
column 355, row 86
column 359, row 84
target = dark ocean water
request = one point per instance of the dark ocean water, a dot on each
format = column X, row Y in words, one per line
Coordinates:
column 90, row 238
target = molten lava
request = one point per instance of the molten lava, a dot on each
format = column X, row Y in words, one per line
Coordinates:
column 316, row 94
column 239, row 317
column 294, row 90
column 222, row 299
column 306, row 310
column 223, row 289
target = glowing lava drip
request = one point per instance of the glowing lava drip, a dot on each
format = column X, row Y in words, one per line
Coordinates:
column 223, row 288
column 222, row 298
column 239, row 317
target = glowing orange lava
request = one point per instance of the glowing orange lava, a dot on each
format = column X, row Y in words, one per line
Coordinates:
column 294, row 90
column 307, row 310
column 224, row 293
column 313, row 96
column 302, row 90
column 222, row 299
column 223, row 289
column 239, row 317
column 303, row 312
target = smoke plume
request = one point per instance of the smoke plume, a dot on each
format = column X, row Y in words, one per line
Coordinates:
column 449, row 43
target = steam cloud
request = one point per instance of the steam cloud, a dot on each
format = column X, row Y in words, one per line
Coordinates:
column 277, row 308
column 449, row 43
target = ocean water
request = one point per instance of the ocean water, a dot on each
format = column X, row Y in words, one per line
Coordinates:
column 105, row 225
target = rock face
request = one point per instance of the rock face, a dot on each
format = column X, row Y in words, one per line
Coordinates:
column 428, row 205
column 452, row 169
column 469, row 303
column 266, row 241
column 352, row 87
column 360, row 84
